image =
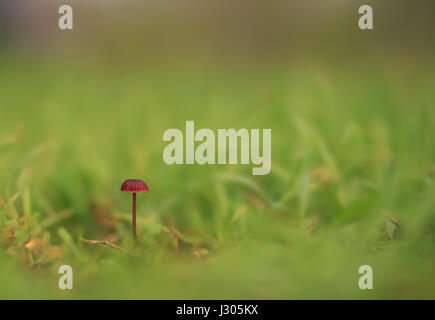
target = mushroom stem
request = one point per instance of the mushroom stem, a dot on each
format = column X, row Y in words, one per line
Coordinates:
column 134, row 218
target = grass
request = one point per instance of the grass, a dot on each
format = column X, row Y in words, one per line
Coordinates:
column 352, row 182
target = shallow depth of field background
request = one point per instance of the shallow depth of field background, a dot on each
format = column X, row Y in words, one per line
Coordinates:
column 353, row 157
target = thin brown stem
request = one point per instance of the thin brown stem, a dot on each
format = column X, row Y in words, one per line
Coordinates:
column 105, row 242
column 134, row 218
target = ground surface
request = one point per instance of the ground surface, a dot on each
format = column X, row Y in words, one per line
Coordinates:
column 352, row 181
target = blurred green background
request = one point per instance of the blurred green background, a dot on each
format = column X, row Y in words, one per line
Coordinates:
column 353, row 159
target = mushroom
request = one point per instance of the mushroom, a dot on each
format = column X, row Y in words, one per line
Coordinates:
column 134, row 186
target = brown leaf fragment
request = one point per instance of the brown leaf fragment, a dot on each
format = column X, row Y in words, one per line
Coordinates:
column 10, row 251
column 104, row 219
column 8, row 234
column 200, row 253
column 43, row 251
column 52, row 253
column 33, row 243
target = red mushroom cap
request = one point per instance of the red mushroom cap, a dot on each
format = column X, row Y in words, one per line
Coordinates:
column 134, row 185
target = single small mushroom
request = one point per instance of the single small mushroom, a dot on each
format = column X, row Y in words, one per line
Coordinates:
column 134, row 186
